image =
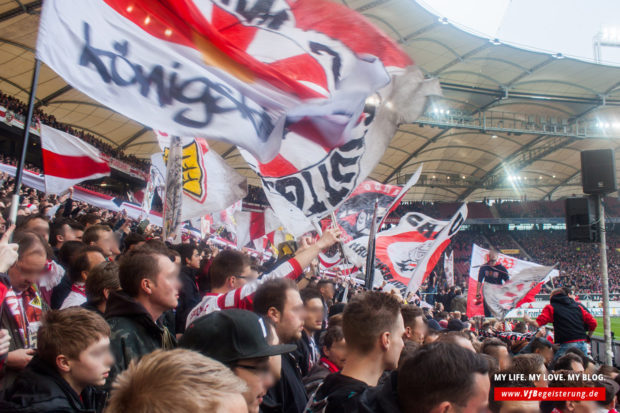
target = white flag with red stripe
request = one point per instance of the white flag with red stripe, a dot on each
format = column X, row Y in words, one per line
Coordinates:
column 252, row 225
column 407, row 253
column 208, row 68
column 525, row 281
column 68, row 160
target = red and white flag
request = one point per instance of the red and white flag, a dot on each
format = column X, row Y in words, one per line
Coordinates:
column 208, row 68
column 407, row 253
column 68, row 160
column 252, row 225
column 525, row 281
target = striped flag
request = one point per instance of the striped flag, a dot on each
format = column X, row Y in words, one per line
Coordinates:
column 230, row 70
column 68, row 160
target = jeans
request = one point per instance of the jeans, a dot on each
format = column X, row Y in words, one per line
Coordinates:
column 581, row 345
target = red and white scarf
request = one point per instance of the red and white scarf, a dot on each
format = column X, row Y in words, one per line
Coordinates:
column 31, row 307
column 79, row 289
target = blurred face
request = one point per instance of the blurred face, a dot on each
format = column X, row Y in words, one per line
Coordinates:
column 492, row 257
column 93, row 365
column 257, row 375
column 245, row 277
column 106, row 242
column 40, row 226
column 419, row 330
column 465, row 343
column 504, row 359
column 337, row 354
column 328, row 291
column 94, row 258
column 194, row 261
column 547, row 354
column 578, row 367
column 28, row 269
column 520, row 407
column 396, row 344
column 165, row 292
column 314, row 315
column 479, row 401
column 584, row 407
column 291, row 320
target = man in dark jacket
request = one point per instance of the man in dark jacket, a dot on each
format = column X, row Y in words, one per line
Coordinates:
column 63, row 376
column 150, row 284
column 189, row 296
column 570, row 322
column 493, row 272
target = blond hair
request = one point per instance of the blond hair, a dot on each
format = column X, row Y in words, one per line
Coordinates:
column 181, row 381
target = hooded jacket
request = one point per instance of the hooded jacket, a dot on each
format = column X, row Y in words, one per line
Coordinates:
column 133, row 332
column 570, row 320
column 40, row 388
column 189, row 297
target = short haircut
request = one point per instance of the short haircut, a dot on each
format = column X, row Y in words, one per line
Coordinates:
column 585, row 360
column 28, row 241
column 81, row 262
column 186, row 251
column 366, row 317
column 133, row 238
column 489, row 344
column 310, row 293
column 272, row 293
column 332, row 335
column 226, row 264
column 408, row 351
column 91, row 235
column 68, row 251
column 527, row 364
column 103, row 276
column 495, row 405
column 23, row 221
column 607, row 371
column 89, row 219
column 137, row 265
column 57, row 228
column 324, row 282
column 539, row 343
column 410, row 313
column 452, row 336
column 565, row 362
column 436, row 373
column 181, row 381
column 160, row 246
column 69, row 332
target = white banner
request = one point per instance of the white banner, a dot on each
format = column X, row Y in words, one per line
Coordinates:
column 448, row 266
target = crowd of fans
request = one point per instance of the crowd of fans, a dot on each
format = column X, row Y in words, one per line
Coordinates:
column 20, row 110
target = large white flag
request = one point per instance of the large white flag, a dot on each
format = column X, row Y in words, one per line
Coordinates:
column 209, row 184
column 407, row 253
column 234, row 71
column 68, row 160
column 525, row 281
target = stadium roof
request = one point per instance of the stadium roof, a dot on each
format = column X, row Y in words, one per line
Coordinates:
column 511, row 122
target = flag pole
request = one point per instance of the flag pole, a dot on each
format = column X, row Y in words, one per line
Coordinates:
column 22, row 160
column 370, row 256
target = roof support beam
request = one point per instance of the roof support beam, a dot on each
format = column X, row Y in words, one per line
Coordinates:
column 561, row 184
column 53, row 95
column 24, row 8
column 133, row 137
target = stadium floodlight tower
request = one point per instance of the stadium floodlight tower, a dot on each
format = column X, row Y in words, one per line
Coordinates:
column 608, row 36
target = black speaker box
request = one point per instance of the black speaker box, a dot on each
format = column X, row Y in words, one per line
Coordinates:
column 581, row 220
column 598, row 171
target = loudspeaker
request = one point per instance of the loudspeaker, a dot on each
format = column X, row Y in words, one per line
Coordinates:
column 581, row 220
column 598, row 171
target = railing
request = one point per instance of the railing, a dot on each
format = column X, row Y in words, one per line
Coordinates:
column 598, row 350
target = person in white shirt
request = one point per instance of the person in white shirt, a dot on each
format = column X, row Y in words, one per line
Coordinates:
column 86, row 260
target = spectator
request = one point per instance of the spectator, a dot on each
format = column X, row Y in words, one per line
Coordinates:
column 230, row 272
column 150, row 285
column 73, row 357
column 64, row 230
column 415, row 323
column 238, row 339
column 101, row 282
column 133, row 240
column 373, row 329
column 35, row 223
column 462, row 384
column 497, row 349
column 507, row 406
column 334, row 350
column 327, row 288
column 280, row 301
column 569, row 361
column 493, row 272
column 459, row 302
column 23, row 307
column 180, row 381
column 456, row 337
column 563, row 380
column 307, row 347
column 189, row 296
column 530, row 365
column 570, row 321
column 543, row 347
column 79, row 269
column 102, row 237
